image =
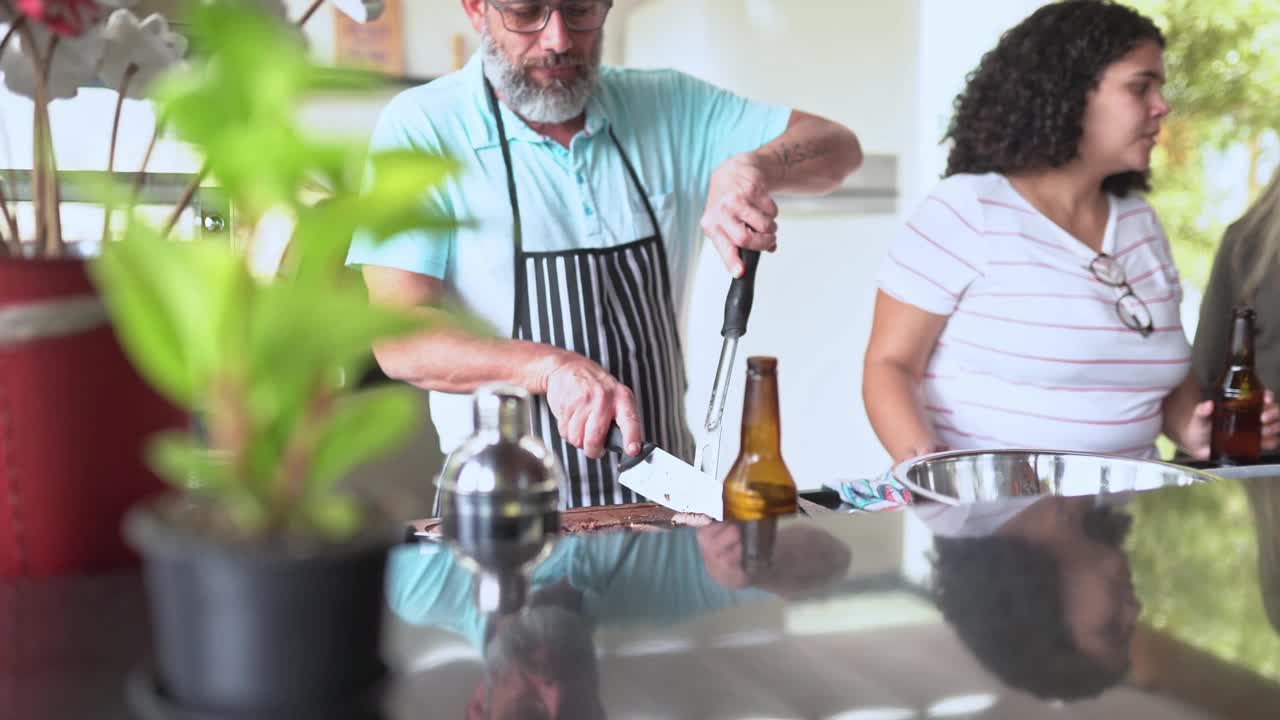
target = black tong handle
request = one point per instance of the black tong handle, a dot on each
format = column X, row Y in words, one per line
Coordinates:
column 742, row 293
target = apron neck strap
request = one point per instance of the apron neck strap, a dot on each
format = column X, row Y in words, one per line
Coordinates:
column 517, row 231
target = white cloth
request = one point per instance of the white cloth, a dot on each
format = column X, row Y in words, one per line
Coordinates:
column 1033, row 354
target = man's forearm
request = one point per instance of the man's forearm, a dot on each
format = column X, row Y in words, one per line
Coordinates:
column 456, row 361
column 812, row 157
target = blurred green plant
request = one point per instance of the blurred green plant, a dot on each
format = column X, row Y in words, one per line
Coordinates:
column 267, row 364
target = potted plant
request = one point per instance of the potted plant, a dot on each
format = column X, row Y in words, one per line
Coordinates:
column 264, row 575
column 72, row 410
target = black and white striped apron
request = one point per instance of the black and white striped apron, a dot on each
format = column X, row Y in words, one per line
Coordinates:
column 613, row 305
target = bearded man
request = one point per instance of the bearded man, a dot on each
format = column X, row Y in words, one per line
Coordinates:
column 585, row 193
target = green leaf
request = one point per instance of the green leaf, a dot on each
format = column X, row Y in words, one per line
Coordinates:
column 237, row 103
column 185, row 463
column 363, row 426
column 192, row 467
column 399, row 177
column 137, row 297
column 299, row 330
column 299, row 337
column 177, row 305
column 336, row 516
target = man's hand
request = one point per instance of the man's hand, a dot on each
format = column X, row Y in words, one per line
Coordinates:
column 586, row 401
column 721, row 546
column 740, row 212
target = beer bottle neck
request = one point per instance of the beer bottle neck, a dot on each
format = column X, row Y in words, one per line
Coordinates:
column 761, row 429
column 1242, row 341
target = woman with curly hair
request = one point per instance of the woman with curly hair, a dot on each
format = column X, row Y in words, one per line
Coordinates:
column 1032, row 300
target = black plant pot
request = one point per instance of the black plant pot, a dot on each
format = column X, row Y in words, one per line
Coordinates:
column 248, row 631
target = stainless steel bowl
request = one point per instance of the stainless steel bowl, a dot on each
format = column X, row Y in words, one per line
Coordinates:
column 975, row 475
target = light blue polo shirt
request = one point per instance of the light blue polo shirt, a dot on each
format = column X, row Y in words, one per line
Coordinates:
column 674, row 128
column 625, row 579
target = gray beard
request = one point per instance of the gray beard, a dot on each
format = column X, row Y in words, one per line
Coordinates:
column 562, row 635
column 559, row 102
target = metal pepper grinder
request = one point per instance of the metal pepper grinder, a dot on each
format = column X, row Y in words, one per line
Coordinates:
column 500, row 498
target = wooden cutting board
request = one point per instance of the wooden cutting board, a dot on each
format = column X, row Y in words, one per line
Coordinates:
column 589, row 519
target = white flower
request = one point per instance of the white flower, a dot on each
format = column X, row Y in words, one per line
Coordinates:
column 148, row 44
column 75, row 62
column 360, row 10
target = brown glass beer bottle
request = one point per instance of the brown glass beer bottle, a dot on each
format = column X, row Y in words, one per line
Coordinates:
column 1238, row 399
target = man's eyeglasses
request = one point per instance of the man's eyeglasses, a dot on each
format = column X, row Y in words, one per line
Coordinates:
column 1132, row 311
column 531, row 16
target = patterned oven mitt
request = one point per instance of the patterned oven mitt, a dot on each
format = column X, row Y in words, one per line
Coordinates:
column 874, row 494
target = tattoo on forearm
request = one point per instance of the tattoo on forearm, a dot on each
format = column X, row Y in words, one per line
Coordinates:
column 797, row 153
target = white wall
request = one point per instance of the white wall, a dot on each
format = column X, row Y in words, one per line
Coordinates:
column 888, row 69
column 953, row 38
column 854, row 62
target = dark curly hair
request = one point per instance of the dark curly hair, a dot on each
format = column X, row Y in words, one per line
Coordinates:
column 1023, row 107
column 1003, row 597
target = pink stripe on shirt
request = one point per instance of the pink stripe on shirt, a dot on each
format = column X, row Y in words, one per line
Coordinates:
column 1149, row 274
column 1073, row 361
column 1025, row 236
column 956, row 257
column 955, row 212
column 913, row 271
column 1043, row 266
column 997, row 203
column 985, row 438
column 1144, row 241
column 1134, row 212
column 1051, row 388
column 1055, row 418
column 1107, row 328
column 1065, row 296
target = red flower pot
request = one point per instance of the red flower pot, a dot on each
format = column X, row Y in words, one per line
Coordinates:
column 74, row 418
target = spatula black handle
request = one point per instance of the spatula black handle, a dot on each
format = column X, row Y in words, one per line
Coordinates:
column 742, row 292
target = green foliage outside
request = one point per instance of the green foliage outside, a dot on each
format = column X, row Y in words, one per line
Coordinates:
column 266, row 364
column 1224, row 89
column 1195, row 552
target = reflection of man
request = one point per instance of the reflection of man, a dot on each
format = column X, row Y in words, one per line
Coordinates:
column 1046, row 601
column 588, row 190
column 804, row 558
column 620, row 578
column 540, row 662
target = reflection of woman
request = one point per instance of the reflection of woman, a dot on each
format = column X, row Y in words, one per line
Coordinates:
column 1045, row 600
column 1250, row 253
column 1031, row 299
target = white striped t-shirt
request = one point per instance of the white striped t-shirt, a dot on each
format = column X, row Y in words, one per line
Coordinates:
column 1033, row 354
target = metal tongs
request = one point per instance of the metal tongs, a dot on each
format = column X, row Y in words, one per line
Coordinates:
column 737, row 308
